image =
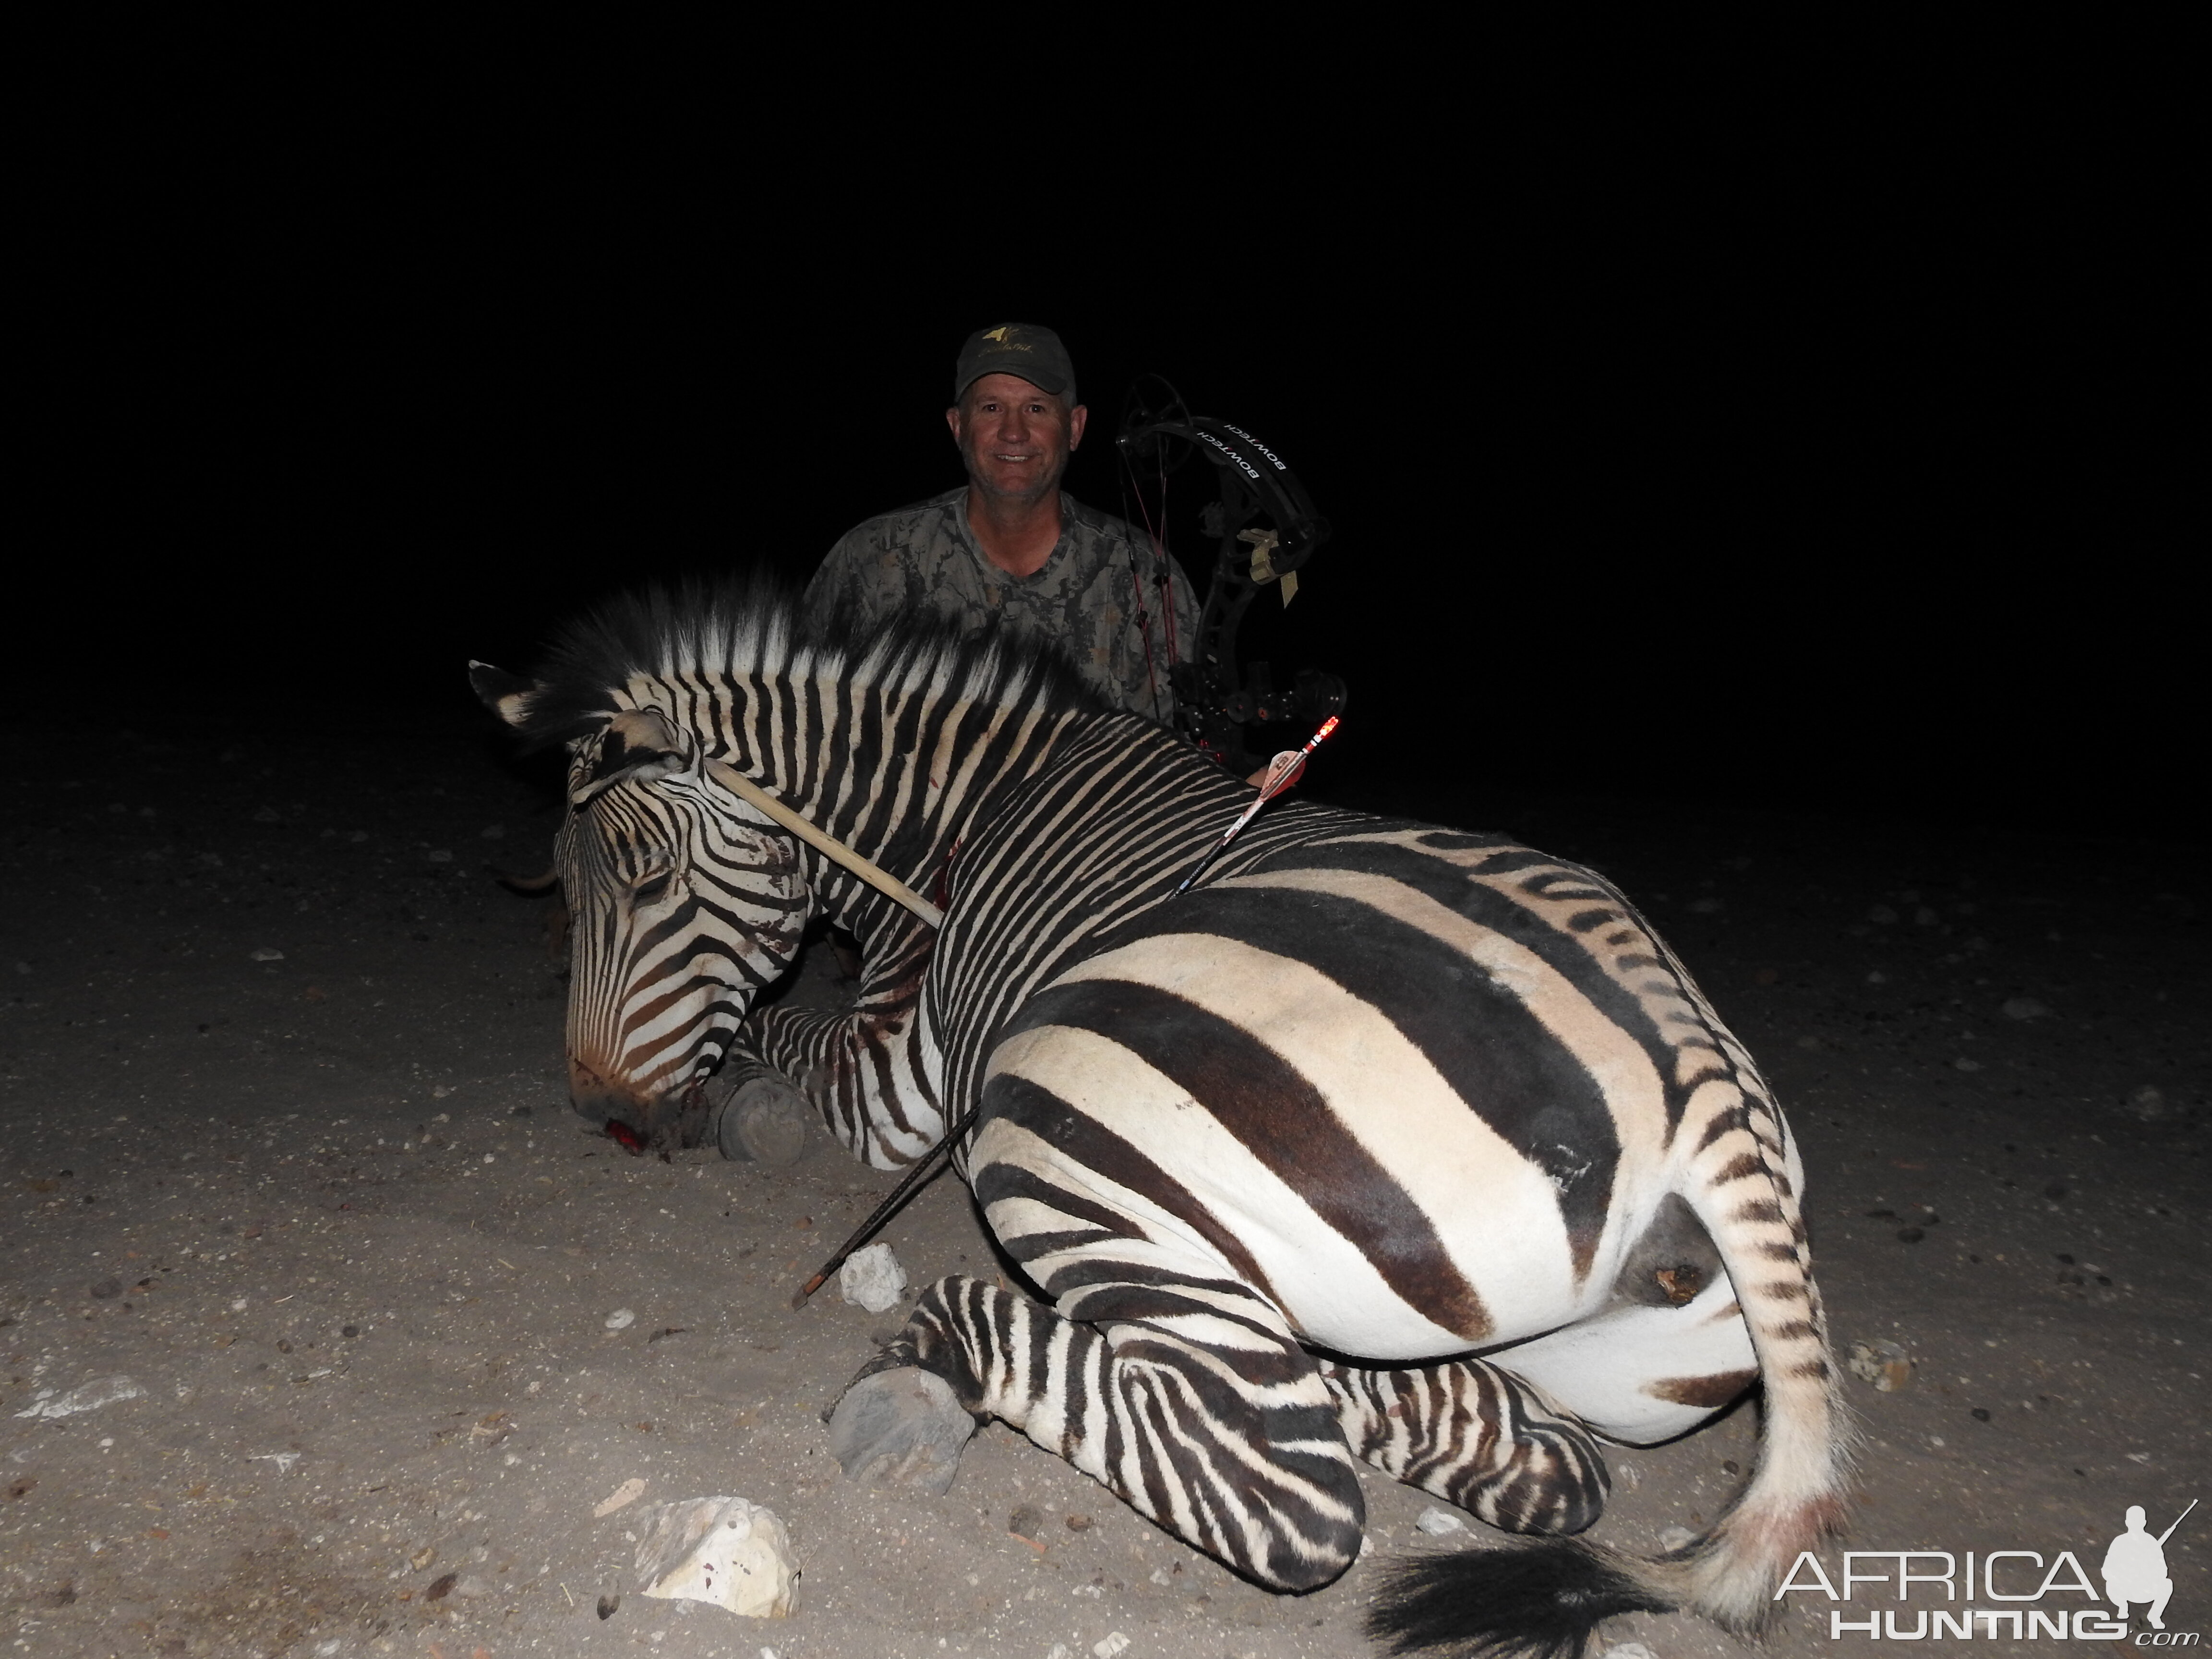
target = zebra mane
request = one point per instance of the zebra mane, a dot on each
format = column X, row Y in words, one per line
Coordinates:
column 751, row 625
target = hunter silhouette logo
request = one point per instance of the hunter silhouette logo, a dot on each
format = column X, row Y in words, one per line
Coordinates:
column 2135, row 1567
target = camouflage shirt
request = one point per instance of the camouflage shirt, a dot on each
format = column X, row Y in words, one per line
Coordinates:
column 1098, row 596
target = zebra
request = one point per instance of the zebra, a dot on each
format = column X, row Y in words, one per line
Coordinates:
column 1385, row 1142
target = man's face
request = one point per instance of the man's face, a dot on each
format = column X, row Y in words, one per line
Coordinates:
column 1015, row 437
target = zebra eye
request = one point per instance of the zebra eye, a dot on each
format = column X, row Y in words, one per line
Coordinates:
column 652, row 887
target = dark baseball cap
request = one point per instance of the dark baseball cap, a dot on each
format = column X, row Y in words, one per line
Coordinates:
column 1021, row 349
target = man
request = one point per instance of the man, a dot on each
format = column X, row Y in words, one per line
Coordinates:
column 1010, row 547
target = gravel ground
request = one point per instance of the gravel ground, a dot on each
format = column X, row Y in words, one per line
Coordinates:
column 329, row 1213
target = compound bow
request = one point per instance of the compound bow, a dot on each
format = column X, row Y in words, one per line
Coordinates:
column 1214, row 702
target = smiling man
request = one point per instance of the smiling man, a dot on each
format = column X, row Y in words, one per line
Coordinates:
column 1011, row 546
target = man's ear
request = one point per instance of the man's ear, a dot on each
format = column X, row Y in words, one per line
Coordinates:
column 640, row 744
column 508, row 696
column 1078, row 418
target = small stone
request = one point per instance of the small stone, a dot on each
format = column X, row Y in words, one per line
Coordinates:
column 439, row 855
column 422, row 1558
column 266, row 954
column 872, row 1279
column 441, row 1587
column 1885, row 1365
column 1113, row 1643
column 1627, row 1651
column 620, row 1498
column 620, row 1319
column 2148, row 1102
column 1964, row 1064
column 1027, row 1521
column 2025, row 1008
column 1676, row 1538
column 107, row 1290
column 1438, row 1523
column 1980, row 1413
column 1078, row 1522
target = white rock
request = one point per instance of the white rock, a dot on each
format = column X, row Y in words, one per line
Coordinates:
column 1438, row 1522
column 1627, row 1651
column 1059, row 1650
column 733, row 1553
column 265, row 954
column 1675, row 1538
column 2025, row 1008
column 87, row 1397
column 620, row 1319
column 872, row 1279
column 1114, row 1643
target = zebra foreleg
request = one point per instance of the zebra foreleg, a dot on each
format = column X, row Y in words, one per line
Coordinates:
column 1192, row 1404
column 1481, row 1438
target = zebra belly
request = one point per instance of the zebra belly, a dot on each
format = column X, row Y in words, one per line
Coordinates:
column 1192, row 1099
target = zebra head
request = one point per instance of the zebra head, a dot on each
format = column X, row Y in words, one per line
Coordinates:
column 685, row 904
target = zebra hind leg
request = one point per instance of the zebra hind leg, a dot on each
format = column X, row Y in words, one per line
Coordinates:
column 1192, row 1403
column 1479, row 1436
column 762, row 1116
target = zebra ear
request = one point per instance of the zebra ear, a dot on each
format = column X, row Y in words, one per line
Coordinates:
column 508, row 696
column 643, row 744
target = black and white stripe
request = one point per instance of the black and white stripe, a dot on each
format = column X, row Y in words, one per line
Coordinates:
column 1385, row 1142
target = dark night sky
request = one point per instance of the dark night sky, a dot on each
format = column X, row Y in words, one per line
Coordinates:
column 1780, row 423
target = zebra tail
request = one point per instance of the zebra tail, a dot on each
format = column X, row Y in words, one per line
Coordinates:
column 1746, row 1191
column 1533, row 1600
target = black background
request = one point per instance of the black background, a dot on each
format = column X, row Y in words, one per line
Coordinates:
column 1789, row 419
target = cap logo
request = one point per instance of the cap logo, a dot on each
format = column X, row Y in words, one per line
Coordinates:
column 998, row 333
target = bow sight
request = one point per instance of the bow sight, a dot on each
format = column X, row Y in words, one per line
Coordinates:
column 1214, row 702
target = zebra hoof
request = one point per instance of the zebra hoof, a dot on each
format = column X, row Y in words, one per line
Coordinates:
column 765, row 1123
column 903, row 1428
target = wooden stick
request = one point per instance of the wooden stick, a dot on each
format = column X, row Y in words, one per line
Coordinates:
column 882, row 880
